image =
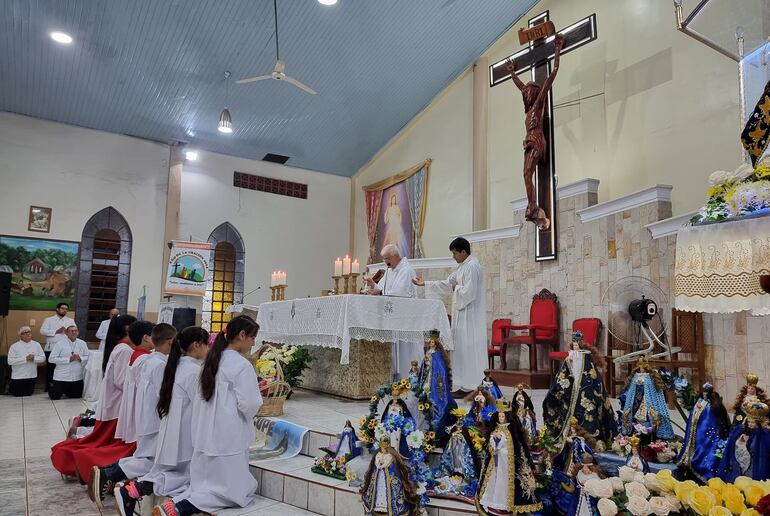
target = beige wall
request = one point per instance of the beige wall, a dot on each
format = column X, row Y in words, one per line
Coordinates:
column 657, row 107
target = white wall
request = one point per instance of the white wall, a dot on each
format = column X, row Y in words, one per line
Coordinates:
column 657, row 107
column 78, row 172
column 301, row 237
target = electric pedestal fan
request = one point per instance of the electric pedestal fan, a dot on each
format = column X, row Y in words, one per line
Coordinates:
column 636, row 313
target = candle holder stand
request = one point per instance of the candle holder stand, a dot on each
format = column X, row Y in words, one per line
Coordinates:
column 336, row 284
column 274, row 293
column 282, row 292
column 346, row 277
column 353, row 283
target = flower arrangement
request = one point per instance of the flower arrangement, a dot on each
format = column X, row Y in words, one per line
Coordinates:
column 294, row 360
column 744, row 191
column 660, row 494
column 332, row 467
column 368, row 424
column 662, row 451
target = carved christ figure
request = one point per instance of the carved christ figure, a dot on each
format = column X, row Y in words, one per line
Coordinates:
column 534, row 97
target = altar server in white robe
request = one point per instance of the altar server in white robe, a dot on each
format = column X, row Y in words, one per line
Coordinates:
column 104, row 327
column 469, row 315
column 398, row 281
column 222, row 427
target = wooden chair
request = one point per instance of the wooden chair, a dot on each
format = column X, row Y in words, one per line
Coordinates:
column 687, row 333
column 542, row 330
column 590, row 327
column 615, row 375
column 495, row 347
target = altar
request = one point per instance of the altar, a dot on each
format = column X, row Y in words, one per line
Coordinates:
column 346, row 334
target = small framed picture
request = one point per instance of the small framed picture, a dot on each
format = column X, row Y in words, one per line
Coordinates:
column 39, row 219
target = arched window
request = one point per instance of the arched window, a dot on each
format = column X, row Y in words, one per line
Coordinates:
column 105, row 268
column 225, row 284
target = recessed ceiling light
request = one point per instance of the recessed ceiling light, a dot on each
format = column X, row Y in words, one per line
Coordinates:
column 191, row 156
column 61, row 37
column 327, row 2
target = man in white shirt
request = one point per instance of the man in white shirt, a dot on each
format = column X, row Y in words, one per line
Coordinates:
column 467, row 286
column 397, row 280
column 24, row 357
column 104, row 327
column 70, row 355
column 53, row 329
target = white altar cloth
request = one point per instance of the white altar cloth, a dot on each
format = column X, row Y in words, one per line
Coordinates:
column 334, row 321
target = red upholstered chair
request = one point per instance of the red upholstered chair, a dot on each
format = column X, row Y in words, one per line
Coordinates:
column 590, row 327
column 542, row 330
column 499, row 331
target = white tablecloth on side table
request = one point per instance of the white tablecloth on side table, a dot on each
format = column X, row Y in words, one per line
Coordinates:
column 334, row 321
column 718, row 267
column 92, row 376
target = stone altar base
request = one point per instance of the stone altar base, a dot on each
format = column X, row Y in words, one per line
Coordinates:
column 368, row 370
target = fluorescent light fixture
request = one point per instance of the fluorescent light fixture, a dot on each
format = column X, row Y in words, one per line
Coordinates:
column 61, row 37
column 327, row 2
column 191, row 156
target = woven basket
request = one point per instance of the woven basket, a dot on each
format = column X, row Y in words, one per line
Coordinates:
column 277, row 391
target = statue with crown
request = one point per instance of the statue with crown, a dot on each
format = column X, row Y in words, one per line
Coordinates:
column 747, row 451
column 435, row 379
column 644, row 410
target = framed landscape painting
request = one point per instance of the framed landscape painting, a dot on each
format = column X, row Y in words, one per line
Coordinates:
column 43, row 272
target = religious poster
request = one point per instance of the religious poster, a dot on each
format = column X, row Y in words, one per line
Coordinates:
column 188, row 268
column 43, row 272
column 396, row 212
column 166, row 313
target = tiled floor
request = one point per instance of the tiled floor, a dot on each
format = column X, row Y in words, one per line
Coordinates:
column 29, row 485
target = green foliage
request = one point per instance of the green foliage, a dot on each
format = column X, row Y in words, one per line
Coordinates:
column 292, row 370
column 17, row 257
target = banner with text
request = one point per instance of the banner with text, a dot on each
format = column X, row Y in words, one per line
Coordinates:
column 188, row 268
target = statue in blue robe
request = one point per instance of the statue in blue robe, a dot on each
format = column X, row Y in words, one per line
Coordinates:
column 483, row 405
column 387, row 488
column 491, row 385
column 459, row 466
column 748, row 445
column 578, row 391
column 525, row 411
column 436, row 381
column 704, row 437
column 399, row 423
column 347, row 444
column 643, row 402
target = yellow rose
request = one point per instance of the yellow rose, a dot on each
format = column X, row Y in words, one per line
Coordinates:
column 743, row 483
column 750, row 512
column 720, row 511
column 733, row 499
column 716, row 483
column 762, row 485
column 700, row 500
column 682, row 489
column 754, row 493
column 717, row 495
column 666, row 480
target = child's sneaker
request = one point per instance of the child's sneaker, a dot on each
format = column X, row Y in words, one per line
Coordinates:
column 165, row 509
column 126, row 496
column 98, row 486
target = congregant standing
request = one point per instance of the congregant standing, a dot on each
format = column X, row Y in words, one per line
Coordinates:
column 469, row 315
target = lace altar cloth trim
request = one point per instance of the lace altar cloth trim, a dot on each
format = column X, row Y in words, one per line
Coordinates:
column 334, row 321
column 718, row 267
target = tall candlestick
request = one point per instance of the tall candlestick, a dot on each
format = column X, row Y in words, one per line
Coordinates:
column 346, row 265
column 355, row 267
column 338, row 267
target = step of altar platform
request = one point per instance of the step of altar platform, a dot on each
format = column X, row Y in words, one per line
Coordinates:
column 513, row 377
column 291, row 482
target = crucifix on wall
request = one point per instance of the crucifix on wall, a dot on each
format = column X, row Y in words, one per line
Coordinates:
column 539, row 158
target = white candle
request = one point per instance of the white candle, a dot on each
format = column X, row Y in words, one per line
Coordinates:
column 272, row 279
column 346, row 265
column 283, row 278
column 355, row 268
column 338, row 267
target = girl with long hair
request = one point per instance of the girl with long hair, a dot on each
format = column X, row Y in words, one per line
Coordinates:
column 170, row 473
column 222, row 427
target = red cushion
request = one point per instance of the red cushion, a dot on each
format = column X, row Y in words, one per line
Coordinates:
column 493, row 352
column 497, row 330
column 590, row 327
column 544, row 311
column 558, row 355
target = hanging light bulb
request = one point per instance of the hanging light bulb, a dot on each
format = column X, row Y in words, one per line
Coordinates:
column 225, row 124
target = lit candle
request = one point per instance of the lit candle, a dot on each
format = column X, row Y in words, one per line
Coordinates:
column 338, row 267
column 346, row 265
column 283, row 278
column 355, row 267
column 272, row 279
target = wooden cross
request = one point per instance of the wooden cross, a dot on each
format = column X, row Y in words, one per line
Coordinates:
column 536, row 59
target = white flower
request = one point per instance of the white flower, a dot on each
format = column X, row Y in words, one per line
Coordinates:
column 637, row 489
column 639, row 477
column 415, row 439
column 742, row 172
column 607, row 507
column 651, row 483
column 718, row 177
column 598, row 488
column 638, row 506
column 673, row 502
column 380, row 432
column 660, row 506
column 626, row 473
column 421, row 487
column 617, row 484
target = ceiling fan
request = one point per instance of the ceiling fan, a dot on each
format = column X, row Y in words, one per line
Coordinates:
column 278, row 72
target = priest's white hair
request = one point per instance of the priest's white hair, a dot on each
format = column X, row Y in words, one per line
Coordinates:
column 391, row 249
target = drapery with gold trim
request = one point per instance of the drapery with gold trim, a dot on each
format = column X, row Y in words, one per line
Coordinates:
column 718, row 267
column 416, row 178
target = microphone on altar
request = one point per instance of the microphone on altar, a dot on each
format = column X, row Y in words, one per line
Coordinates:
column 250, row 292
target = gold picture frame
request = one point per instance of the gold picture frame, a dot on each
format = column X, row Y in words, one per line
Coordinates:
column 39, row 219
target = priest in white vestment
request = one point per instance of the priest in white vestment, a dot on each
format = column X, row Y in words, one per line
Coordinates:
column 469, row 315
column 397, row 281
column 104, row 328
